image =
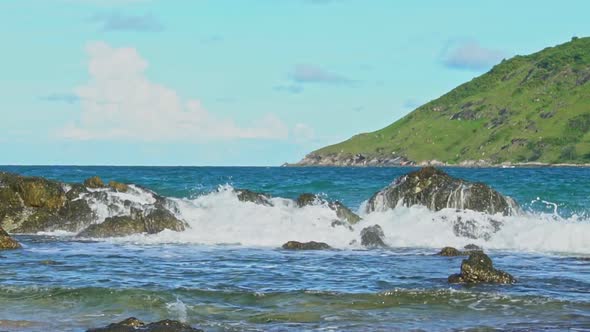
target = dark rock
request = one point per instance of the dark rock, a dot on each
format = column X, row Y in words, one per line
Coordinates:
column 94, row 183
column 118, row 186
column 246, row 195
column 133, row 324
column 472, row 246
column 372, row 237
column 342, row 212
column 481, row 228
column 478, row 268
column 137, row 222
column 312, row 245
column 451, row 252
column 76, row 191
column 6, row 242
column 437, row 190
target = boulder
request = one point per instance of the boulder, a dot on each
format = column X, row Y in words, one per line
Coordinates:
column 118, row 186
column 137, row 222
column 478, row 268
column 133, row 324
column 433, row 188
column 372, row 237
column 246, row 195
column 294, row 245
column 342, row 212
column 452, row 252
column 7, row 242
column 94, row 182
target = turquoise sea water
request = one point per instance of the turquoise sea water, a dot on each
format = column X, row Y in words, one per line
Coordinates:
column 226, row 272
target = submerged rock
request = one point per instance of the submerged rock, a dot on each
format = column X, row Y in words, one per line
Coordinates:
column 133, row 324
column 478, row 268
column 94, row 182
column 7, row 242
column 452, row 252
column 437, row 190
column 136, row 223
column 372, row 237
column 342, row 212
column 246, row 195
column 312, row 245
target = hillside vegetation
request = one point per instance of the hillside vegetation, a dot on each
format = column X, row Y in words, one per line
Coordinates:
column 533, row 108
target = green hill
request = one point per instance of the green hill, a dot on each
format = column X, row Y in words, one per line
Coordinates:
column 533, row 108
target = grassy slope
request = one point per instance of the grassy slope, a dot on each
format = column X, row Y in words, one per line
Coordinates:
column 528, row 108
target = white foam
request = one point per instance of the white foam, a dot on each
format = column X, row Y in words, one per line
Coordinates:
column 220, row 218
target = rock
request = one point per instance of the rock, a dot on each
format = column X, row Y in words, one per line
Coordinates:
column 342, row 212
column 372, row 237
column 118, row 186
column 76, row 191
column 478, row 268
column 38, row 192
column 451, row 252
column 437, row 190
column 6, row 242
column 133, row 324
column 294, row 245
column 136, row 223
column 472, row 246
column 483, row 227
column 246, row 195
column 94, row 183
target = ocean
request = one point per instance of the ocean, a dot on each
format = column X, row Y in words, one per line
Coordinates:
column 227, row 271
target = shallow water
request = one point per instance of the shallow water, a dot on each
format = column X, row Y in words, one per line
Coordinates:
column 226, row 273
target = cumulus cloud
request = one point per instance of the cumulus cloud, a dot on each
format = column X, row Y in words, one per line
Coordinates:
column 120, row 102
column 308, row 73
column 116, row 21
column 470, row 55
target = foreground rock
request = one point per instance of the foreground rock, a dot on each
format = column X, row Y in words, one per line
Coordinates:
column 437, row 190
column 33, row 204
column 246, row 195
column 478, row 268
column 137, row 222
column 342, row 212
column 312, row 245
column 6, row 242
column 132, row 324
column 372, row 237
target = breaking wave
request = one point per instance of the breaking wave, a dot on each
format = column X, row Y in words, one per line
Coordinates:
column 221, row 218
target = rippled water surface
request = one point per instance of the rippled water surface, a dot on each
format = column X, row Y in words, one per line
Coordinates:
column 227, row 274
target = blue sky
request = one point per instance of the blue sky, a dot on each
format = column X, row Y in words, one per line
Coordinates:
column 241, row 82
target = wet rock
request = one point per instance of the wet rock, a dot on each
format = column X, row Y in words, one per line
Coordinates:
column 437, row 190
column 133, row 324
column 39, row 193
column 94, row 182
column 342, row 212
column 372, row 237
column 472, row 246
column 118, row 186
column 312, row 245
column 478, row 268
column 482, row 228
column 7, row 242
column 246, row 195
column 76, row 190
column 136, row 223
column 451, row 252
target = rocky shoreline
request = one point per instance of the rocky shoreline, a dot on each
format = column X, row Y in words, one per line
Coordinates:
column 363, row 160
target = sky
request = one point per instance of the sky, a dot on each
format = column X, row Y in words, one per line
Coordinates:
column 241, row 82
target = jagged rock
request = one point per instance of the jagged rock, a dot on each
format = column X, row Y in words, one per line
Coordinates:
column 136, row 223
column 133, row 324
column 312, row 245
column 342, row 212
column 94, row 182
column 76, row 191
column 478, row 268
column 437, row 190
column 7, row 242
column 118, row 186
column 34, row 191
column 372, row 237
column 481, row 228
column 246, row 195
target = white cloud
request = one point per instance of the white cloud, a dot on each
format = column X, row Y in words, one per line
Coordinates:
column 471, row 55
column 120, row 102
